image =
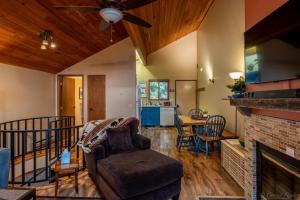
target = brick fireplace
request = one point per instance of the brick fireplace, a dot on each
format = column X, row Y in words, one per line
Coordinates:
column 279, row 134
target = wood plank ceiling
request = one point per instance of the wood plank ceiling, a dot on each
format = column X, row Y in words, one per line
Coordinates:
column 171, row 20
column 77, row 35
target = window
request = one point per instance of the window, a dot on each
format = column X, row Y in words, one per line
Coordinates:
column 159, row 89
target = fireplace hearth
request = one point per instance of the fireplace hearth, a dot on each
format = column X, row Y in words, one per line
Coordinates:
column 278, row 175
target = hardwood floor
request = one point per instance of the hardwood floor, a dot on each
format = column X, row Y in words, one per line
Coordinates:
column 87, row 188
column 202, row 177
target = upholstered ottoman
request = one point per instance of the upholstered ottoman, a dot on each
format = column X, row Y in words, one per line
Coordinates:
column 144, row 174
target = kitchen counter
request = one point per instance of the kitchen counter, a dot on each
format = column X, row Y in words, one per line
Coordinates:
column 158, row 106
column 157, row 115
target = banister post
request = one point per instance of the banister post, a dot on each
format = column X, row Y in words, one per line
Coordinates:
column 12, row 156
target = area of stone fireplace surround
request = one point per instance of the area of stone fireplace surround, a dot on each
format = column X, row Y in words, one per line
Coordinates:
column 276, row 133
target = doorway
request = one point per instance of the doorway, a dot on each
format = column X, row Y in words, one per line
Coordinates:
column 70, row 97
column 186, row 95
column 96, row 97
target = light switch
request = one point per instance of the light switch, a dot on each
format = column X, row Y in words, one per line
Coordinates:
column 290, row 151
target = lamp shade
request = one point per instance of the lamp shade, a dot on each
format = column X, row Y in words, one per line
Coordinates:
column 43, row 47
column 235, row 75
column 111, row 15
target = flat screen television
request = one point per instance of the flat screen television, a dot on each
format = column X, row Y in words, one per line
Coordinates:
column 272, row 47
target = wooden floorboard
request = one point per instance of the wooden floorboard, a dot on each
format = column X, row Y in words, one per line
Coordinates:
column 39, row 153
column 87, row 188
column 202, row 177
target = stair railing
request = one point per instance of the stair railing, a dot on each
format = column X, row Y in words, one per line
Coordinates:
column 36, row 143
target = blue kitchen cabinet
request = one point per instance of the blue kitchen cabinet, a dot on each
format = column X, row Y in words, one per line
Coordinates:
column 150, row 116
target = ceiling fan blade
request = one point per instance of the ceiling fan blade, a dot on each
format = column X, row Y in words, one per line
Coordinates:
column 103, row 25
column 131, row 4
column 133, row 19
column 79, row 8
column 103, row 2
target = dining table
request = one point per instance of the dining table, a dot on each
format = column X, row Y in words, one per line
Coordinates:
column 186, row 120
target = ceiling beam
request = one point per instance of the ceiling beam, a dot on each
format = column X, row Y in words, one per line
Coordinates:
column 137, row 40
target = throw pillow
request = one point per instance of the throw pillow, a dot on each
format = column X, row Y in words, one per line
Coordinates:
column 119, row 140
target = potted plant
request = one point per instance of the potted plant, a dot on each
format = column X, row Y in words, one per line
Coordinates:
column 205, row 113
column 242, row 141
column 238, row 88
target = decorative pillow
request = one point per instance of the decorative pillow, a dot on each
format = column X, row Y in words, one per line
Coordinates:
column 119, row 140
column 94, row 132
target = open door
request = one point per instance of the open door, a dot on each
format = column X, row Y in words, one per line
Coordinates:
column 70, row 97
column 96, row 97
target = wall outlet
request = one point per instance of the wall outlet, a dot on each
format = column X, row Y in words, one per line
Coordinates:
column 290, row 151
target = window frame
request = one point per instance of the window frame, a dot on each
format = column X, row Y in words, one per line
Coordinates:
column 159, row 81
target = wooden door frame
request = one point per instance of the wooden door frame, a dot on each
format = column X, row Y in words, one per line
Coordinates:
column 58, row 99
column 87, row 92
column 196, row 100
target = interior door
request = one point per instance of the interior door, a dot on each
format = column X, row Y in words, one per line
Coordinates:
column 186, row 95
column 96, row 97
column 68, row 97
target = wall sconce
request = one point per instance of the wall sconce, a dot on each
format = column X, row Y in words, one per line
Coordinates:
column 211, row 80
column 235, row 75
column 171, row 90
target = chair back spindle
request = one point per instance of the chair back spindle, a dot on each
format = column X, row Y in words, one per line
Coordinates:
column 214, row 126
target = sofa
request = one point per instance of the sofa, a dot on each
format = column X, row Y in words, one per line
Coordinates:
column 141, row 174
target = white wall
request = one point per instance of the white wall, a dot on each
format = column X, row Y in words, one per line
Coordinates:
column 176, row 61
column 220, row 51
column 25, row 93
column 118, row 64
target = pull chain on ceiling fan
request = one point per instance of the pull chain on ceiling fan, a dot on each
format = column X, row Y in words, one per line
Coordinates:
column 111, row 33
column 112, row 11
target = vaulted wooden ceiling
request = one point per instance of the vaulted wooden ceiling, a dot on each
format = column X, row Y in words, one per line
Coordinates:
column 171, row 20
column 77, row 34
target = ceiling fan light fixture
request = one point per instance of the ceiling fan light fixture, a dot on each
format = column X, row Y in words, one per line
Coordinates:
column 111, row 15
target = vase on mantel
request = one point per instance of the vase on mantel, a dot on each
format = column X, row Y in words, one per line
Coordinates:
column 237, row 95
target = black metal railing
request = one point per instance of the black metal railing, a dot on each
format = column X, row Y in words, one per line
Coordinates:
column 36, row 144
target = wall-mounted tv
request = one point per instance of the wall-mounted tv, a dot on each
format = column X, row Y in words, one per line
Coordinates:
column 272, row 47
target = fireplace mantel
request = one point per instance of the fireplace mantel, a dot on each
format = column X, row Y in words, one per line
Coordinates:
column 284, row 104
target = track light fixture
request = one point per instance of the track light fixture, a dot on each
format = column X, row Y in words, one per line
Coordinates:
column 46, row 37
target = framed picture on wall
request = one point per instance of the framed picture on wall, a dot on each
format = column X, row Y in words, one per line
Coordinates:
column 143, row 89
column 80, row 93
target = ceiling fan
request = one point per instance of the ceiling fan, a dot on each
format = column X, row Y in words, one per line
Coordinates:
column 112, row 11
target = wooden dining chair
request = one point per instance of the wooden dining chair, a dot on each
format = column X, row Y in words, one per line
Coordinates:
column 185, row 138
column 212, row 134
column 195, row 112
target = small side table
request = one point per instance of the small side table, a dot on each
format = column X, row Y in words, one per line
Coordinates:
column 61, row 170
